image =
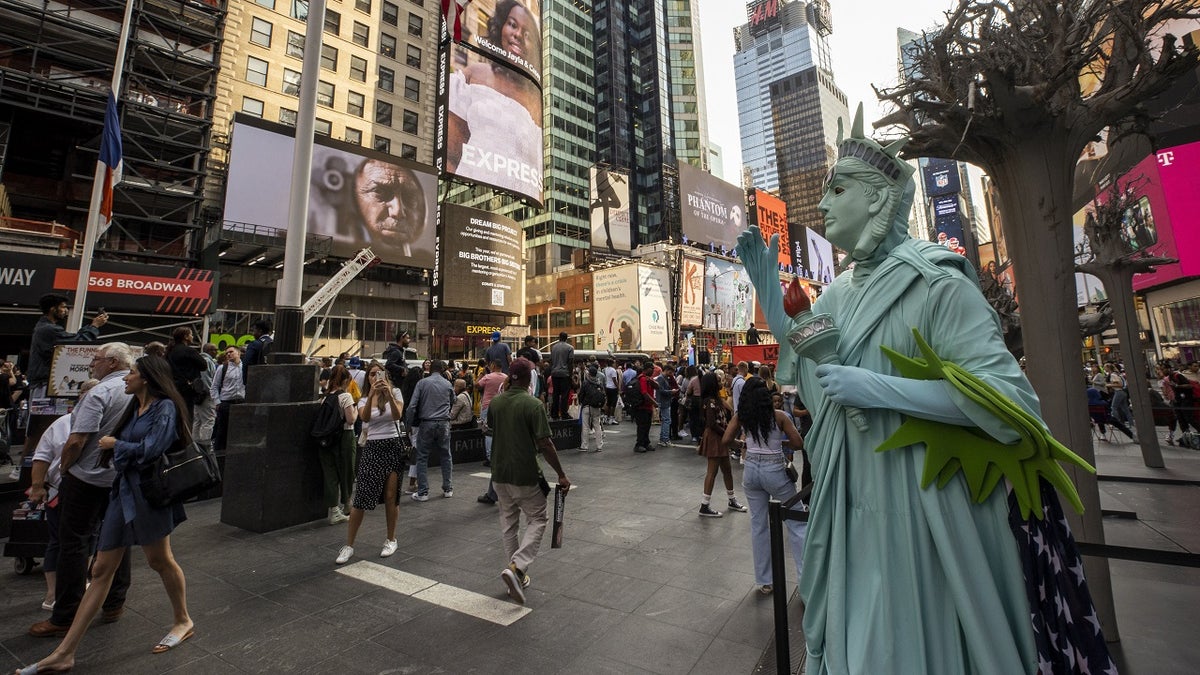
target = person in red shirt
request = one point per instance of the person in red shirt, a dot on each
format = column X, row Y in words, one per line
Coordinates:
column 644, row 413
column 489, row 386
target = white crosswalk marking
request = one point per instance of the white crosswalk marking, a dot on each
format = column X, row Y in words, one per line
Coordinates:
column 500, row 612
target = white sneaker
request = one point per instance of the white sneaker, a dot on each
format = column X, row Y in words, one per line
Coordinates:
column 336, row 516
column 15, row 475
column 344, row 554
column 389, row 547
column 448, row 494
column 418, row 497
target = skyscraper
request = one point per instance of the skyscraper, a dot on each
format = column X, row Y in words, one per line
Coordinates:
column 788, row 103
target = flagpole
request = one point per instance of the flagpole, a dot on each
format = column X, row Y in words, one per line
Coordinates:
column 92, row 229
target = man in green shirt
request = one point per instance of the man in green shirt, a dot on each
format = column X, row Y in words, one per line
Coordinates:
column 520, row 430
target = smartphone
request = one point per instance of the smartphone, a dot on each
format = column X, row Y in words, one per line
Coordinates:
column 100, row 310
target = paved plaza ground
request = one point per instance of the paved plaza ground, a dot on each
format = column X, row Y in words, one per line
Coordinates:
column 642, row 585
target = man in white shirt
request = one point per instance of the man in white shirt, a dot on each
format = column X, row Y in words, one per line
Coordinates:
column 611, row 388
column 228, row 390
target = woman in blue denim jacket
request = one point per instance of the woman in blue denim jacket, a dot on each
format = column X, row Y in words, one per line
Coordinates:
column 156, row 420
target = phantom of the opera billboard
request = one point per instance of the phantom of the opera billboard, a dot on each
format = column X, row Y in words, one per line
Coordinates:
column 630, row 308
column 358, row 197
column 712, row 212
column 508, row 30
column 609, row 206
column 479, row 256
column 769, row 213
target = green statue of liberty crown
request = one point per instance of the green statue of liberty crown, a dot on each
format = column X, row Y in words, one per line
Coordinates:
column 885, row 160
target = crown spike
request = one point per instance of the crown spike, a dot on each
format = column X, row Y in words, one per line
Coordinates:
column 841, row 131
column 896, row 146
column 857, row 130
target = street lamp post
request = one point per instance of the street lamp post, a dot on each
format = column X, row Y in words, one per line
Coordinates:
column 716, row 313
column 548, row 310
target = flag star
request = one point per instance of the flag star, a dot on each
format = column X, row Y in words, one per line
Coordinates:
column 1059, row 606
column 1077, row 570
column 1065, row 525
column 1053, row 637
column 1044, row 666
column 1042, row 591
column 1056, row 563
column 1111, row 669
column 1094, row 620
column 1084, row 668
column 1070, row 654
column 1037, row 542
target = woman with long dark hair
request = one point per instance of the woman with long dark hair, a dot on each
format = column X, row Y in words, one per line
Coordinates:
column 767, row 429
column 382, row 460
column 186, row 366
column 155, row 421
column 716, row 416
column 337, row 460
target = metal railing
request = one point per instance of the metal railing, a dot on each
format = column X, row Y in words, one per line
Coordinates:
column 777, row 512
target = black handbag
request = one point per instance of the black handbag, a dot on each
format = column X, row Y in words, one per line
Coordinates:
column 792, row 474
column 180, row 474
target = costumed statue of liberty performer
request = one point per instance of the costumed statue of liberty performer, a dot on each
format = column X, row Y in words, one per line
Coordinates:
column 936, row 542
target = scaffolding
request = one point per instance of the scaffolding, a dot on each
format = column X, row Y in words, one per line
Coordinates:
column 56, row 59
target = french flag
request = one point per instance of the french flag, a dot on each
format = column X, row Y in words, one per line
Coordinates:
column 453, row 10
column 110, row 157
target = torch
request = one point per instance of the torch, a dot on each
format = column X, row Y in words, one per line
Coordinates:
column 815, row 337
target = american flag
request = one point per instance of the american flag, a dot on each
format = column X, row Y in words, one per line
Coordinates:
column 110, row 158
column 453, row 11
column 1065, row 626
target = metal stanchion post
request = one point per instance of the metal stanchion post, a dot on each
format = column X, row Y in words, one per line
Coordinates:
column 783, row 651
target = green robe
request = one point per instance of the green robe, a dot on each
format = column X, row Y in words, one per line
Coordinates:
column 899, row 579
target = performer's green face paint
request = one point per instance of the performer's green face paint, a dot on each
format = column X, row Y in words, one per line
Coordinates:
column 848, row 210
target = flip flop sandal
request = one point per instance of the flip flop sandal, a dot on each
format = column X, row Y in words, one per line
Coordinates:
column 34, row 669
column 170, row 642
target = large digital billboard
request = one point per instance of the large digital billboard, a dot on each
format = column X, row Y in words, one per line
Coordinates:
column 1163, row 221
column 728, row 296
column 769, row 213
column 609, row 205
column 615, row 309
column 479, row 262
column 940, row 176
column 820, row 258
column 654, row 302
column 691, row 295
column 712, row 212
column 509, row 31
column 357, row 197
column 490, row 125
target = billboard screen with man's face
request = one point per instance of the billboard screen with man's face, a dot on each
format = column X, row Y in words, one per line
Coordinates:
column 357, row 197
column 480, row 264
column 712, row 212
column 609, row 205
column 509, row 31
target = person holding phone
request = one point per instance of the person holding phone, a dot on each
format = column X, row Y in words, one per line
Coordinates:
column 382, row 460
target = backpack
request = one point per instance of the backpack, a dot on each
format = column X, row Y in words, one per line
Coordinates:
column 591, row 395
column 633, row 396
column 327, row 425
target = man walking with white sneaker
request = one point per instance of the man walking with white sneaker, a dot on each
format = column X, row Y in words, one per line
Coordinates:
column 520, row 429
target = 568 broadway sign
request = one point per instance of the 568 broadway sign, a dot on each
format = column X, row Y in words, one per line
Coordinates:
column 116, row 286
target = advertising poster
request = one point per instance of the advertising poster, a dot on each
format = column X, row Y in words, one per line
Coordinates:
column 116, row 286
column 358, row 197
column 654, row 302
column 1088, row 288
column 760, row 317
column 480, row 257
column 820, row 258
column 770, row 214
column 492, row 125
column 515, row 37
column 71, row 366
column 609, row 204
column 940, row 177
column 728, row 296
column 691, row 296
column 712, row 212
column 615, row 308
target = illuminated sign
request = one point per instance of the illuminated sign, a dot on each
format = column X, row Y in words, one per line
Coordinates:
column 763, row 15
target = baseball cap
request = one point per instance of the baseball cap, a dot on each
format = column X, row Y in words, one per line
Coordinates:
column 495, row 336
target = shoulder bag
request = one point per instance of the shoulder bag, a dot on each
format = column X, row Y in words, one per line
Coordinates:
column 179, row 474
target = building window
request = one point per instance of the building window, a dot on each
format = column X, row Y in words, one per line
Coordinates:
column 387, row 45
column 587, row 293
column 287, row 117
column 325, row 94
column 408, row 151
column 295, row 45
column 256, row 71
column 416, row 25
column 252, row 106
column 418, row 3
column 382, row 144
column 323, row 127
column 412, row 88
column 362, row 34
column 329, row 58
column 583, row 317
column 562, row 297
column 363, row 5
column 391, row 14
column 299, row 9
column 414, row 56
column 358, row 69
column 355, row 103
column 383, row 113
column 411, row 122
column 269, row 4
column 333, row 22
column 291, row 82
column 353, row 136
column 387, row 79
column 260, row 32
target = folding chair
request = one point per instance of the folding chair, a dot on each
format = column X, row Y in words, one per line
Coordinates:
column 1099, row 418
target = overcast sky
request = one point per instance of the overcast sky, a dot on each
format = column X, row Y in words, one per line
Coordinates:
column 864, row 53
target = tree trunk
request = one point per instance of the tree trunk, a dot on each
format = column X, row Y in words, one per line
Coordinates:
column 1119, row 286
column 1034, row 185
